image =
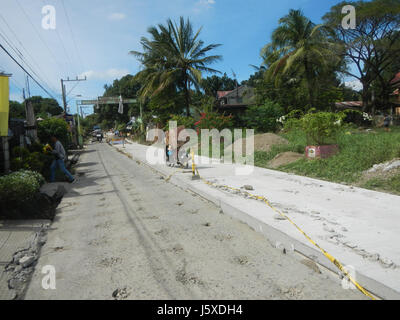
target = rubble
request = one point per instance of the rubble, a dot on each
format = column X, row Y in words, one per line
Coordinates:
column 20, row 269
column 386, row 166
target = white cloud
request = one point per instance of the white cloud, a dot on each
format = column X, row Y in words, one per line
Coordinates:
column 203, row 4
column 109, row 74
column 116, row 16
column 355, row 85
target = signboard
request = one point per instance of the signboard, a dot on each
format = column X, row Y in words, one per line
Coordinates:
column 105, row 100
column 4, row 104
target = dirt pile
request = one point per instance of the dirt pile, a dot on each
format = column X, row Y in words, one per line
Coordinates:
column 263, row 142
column 284, row 159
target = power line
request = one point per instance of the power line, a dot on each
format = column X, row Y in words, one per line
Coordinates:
column 35, row 64
column 18, row 53
column 5, row 50
column 23, row 47
column 72, row 36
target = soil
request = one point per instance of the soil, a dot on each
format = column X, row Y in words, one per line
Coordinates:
column 284, row 159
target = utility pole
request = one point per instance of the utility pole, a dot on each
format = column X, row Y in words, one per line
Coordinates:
column 64, row 95
column 30, row 115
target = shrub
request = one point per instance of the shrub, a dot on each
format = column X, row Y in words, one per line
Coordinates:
column 322, row 127
column 20, row 152
column 22, row 158
column 20, row 186
column 56, row 127
column 213, row 120
column 187, row 122
column 263, row 118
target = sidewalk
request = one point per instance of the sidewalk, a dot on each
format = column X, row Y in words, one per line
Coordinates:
column 358, row 227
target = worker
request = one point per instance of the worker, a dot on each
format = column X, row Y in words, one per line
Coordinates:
column 60, row 156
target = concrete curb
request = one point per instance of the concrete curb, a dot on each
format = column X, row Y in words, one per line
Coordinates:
column 276, row 237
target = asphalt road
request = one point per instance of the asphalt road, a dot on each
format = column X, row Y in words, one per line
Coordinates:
column 123, row 230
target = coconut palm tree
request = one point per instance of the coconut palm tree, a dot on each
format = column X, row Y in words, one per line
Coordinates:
column 298, row 47
column 174, row 56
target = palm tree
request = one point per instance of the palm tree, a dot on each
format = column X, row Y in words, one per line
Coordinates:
column 174, row 56
column 301, row 47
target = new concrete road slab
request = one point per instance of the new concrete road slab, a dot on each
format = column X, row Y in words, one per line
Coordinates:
column 358, row 227
column 123, row 232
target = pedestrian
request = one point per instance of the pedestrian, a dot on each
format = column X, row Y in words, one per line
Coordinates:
column 386, row 123
column 60, row 155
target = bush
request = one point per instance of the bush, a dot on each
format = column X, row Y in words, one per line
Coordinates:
column 20, row 186
column 56, row 127
column 320, row 127
column 263, row 118
column 23, row 159
column 213, row 120
column 187, row 122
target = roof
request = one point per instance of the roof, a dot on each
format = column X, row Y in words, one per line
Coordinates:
column 396, row 79
column 221, row 94
column 349, row 104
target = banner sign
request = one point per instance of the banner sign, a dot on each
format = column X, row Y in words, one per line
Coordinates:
column 4, row 104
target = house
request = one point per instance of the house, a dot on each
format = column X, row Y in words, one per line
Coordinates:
column 395, row 96
column 236, row 100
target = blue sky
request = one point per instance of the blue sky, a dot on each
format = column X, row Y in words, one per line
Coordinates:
column 105, row 31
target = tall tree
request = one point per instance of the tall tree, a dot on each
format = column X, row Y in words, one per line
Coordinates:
column 127, row 87
column 373, row 45
column 45, row 106
column 299, row 47
column 215, row 83
column 174, row 56
column 17, row 110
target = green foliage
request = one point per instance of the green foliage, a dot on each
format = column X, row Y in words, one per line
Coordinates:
column 300, row 52
column 359, row 151
column 187, row 122
column 215, row 83
column 43, row 106
column 174, row 58
column 213, row 120
column 30, row 159
column 17, row 110
column 320, row 127
column 372, row 46
column 263, row 118
column 20, row 186
column 392, row 184
column 107, row 115
column 20, row 152
column 56, row 127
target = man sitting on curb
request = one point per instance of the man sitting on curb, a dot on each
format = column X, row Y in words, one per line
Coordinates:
column 59, row 153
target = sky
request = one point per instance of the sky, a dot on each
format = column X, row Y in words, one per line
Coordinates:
column 93, row 38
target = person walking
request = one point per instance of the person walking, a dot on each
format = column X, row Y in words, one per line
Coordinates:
column 386, row 123
column 60, row 155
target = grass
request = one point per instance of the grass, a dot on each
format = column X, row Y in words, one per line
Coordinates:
column 392, row 184
column 359, row 151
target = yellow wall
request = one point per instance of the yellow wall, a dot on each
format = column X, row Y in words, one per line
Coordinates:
column 4, row 105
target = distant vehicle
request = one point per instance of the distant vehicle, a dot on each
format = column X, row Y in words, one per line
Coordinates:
column 99, row 136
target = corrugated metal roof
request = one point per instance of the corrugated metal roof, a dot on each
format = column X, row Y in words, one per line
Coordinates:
column 347, row 104
column 221, row 94
column 396, row 79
